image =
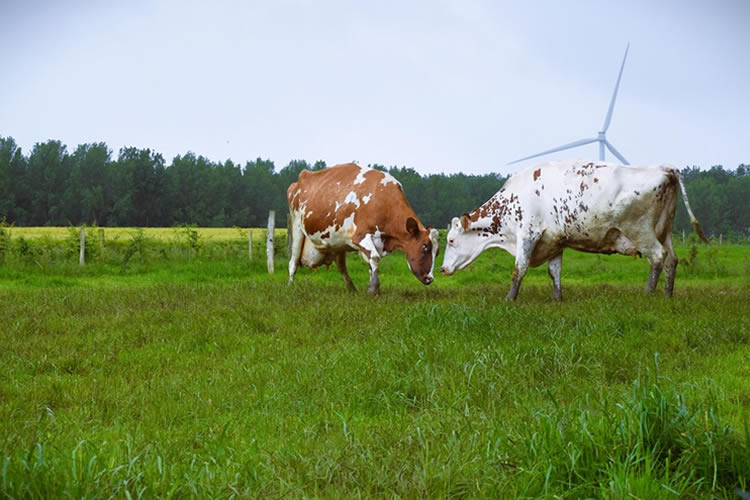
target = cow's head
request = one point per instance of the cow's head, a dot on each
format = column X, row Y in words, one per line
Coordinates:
column 421, row 248
column 464, row 246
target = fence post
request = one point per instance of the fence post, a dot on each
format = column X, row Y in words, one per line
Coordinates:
column 683, row 236
column 269, row 242
column 82, row 255
column 250, row 245
column 720, row 238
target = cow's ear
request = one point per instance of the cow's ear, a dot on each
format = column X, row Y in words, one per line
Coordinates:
column 465, row 222
column 412, row 227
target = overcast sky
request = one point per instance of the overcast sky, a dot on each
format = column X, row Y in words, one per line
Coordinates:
column 440, row 86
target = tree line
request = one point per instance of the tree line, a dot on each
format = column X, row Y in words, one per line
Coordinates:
column 52, row 186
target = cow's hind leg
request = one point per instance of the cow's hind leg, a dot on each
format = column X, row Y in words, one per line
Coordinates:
column 370, row 254
column 670, row 266
column 656, row 255
column 523, row 257
column 298, row 238
column 341, row 264
column 554, row 269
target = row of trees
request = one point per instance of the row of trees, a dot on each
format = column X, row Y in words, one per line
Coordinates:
column 51, row 186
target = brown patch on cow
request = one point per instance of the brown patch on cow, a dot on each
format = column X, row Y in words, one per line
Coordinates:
column 596, row 179
column 325, row 235
column 537, row 173
column 537, row 192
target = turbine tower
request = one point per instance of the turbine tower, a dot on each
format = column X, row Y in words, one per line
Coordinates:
column 601, row 138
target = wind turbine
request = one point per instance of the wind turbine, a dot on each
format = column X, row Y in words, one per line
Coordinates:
column 601, row 138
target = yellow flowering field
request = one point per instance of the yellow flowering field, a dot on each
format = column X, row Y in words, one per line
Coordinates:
column 156, row 233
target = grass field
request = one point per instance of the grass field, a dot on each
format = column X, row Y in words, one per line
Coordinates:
column 205, row 376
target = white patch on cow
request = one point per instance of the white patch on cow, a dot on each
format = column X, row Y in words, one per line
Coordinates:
column 337, row 207
column 366, row 198
column 308, row 214
column 434, row 240
column 389, row 178
column 361, row 175
column 352, row 198
column 368, row 243
column 377, row 239
column 336, row 237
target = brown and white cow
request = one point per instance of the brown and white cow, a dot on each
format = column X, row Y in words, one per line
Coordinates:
column 589, row 206
column 349, row 208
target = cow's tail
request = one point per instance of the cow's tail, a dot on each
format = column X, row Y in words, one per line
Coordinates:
column 693, row 220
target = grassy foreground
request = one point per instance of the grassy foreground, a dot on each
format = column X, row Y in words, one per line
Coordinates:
column 208, row 377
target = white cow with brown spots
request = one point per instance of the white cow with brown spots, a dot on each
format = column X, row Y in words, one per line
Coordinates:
column 591, row 207
column 348, row 208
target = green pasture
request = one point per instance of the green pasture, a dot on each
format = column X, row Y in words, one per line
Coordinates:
column 175, row 367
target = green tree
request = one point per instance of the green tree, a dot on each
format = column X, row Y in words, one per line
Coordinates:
column 13, row 196
column 46, row 175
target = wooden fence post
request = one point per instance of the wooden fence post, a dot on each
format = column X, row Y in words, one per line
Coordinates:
column 269, row 242
column 82, row 255
column 250, row 245
column 683, row 236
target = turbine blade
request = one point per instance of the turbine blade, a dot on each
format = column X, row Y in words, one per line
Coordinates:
column 608, row 119
column 559, row 148
column 616, row 153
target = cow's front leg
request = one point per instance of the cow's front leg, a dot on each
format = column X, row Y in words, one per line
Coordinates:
column 374, row 287
column 371, row 254
column 554, row 270
column 523, row 257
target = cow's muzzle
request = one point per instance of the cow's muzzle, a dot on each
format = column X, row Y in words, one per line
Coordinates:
column 427, row 280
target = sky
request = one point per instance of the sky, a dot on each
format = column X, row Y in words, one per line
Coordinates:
column 438, row 86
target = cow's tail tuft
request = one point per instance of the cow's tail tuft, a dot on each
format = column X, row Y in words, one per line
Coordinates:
column 693, row 220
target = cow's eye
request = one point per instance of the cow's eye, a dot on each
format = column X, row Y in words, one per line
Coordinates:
column 425, row 249
column 451, row 242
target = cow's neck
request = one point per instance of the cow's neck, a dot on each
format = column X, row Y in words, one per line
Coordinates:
column 495, row 222
column 396, row 237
